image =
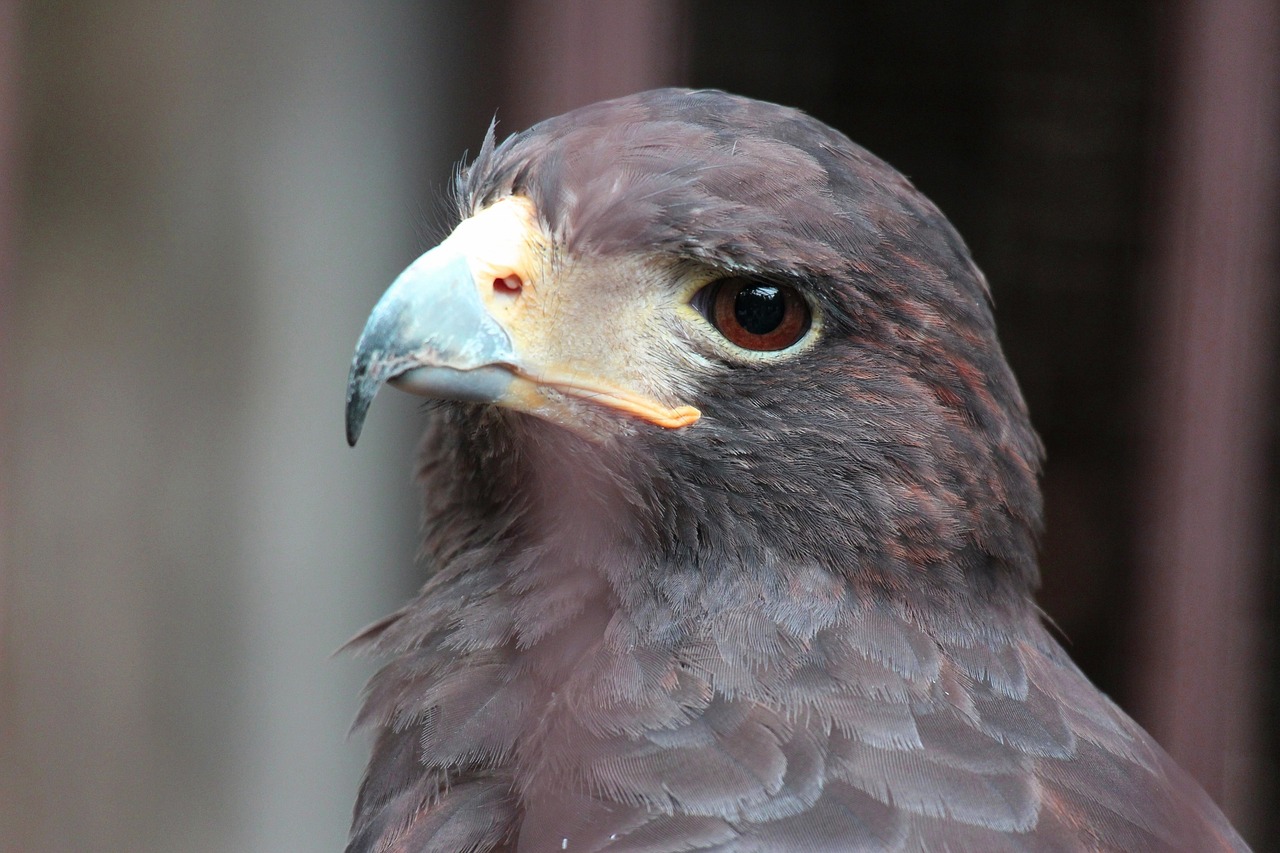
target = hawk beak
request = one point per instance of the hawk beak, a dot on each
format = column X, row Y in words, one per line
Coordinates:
column 450, row 327
column 430, row 335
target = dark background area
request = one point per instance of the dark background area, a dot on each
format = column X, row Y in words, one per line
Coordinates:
column 200, row 201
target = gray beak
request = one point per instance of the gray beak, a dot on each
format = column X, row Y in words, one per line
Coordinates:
column 431, row 335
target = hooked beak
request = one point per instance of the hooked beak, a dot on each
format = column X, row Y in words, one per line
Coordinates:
column 449, row 327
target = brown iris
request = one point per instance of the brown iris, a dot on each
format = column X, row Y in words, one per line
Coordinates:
column 755, row 315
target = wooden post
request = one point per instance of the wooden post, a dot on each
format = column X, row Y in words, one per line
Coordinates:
column 1212, row 350
column 9, row 23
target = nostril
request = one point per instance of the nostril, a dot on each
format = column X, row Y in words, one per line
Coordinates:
column 508, row 285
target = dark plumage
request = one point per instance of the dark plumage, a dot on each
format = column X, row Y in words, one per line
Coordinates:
column 803, row 623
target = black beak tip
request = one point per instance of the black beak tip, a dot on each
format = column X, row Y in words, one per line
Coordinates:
column 355, row 422
column 360, row 393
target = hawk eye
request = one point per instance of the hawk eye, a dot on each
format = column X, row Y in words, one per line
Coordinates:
column 755, row 315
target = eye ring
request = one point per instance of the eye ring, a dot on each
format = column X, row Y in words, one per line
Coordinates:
column 755, row 315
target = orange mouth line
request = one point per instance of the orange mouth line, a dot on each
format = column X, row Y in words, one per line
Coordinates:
column 623, row 401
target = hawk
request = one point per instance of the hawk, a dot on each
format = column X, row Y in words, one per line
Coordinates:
column 731, row 511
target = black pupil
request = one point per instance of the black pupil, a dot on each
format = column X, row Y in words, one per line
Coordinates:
column 759, row 308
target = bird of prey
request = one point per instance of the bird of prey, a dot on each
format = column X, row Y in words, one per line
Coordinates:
column 731, row 510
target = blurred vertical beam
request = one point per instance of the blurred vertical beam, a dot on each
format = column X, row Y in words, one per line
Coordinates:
column 8, row 131
column 9, row 23
column 338, row 135
column 1212, row 352
column 567, row 53
column 212, row 196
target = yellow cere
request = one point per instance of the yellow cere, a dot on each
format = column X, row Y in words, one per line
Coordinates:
column 504, row 244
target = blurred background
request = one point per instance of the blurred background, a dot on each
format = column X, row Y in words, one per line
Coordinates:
column 200, row 201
